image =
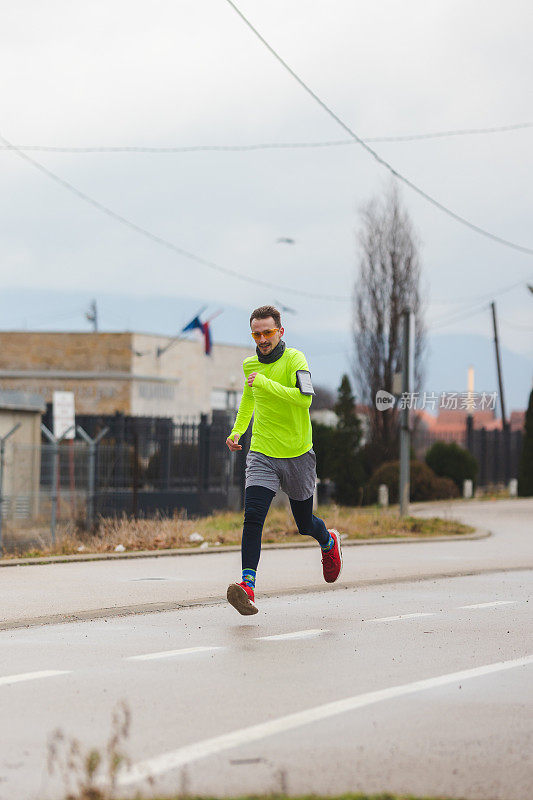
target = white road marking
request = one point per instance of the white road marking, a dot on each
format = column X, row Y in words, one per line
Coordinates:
column 296, row 635
column 491, row 605
column 402, row 616
column 6, row 680
column 184, row 755
column 171, row 653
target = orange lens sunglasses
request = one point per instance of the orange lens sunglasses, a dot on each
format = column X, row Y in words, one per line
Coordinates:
column 268, row 333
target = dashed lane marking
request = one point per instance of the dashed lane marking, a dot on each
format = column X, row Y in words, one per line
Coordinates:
column 296, row 635
column 491, row 605
column 403, row 616
column 6, row 680
column 171, row 653
column 174, row 759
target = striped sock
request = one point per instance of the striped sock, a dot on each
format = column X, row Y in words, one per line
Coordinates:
column 329, row 545
column 248, row 577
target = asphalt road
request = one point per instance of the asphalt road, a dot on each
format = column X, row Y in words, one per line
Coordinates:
column 415, row 685
column 420, row 687
column 52, row 591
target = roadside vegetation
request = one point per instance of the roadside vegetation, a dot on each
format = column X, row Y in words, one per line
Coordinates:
column 92, row 773
column 347, row 796
column 224, row 528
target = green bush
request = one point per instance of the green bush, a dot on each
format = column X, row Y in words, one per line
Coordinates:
column 451, row 461
column 425, row 485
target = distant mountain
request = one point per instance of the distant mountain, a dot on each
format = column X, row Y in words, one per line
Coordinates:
column 327, row 351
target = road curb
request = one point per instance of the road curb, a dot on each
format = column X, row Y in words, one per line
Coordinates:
column 152, row 608
column 197, row 551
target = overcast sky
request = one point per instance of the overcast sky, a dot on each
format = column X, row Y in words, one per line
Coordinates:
column 188, row 72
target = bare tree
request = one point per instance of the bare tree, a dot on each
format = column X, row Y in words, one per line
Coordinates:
column 388, row 282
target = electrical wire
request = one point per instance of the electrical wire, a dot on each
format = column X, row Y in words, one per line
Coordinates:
column 441, row 321
column 458, row 317
column 170, row 245
column 373, row 153
column 488, row 295
column 165, row 242
column 516, row 325
column 474, row 301
column 268, row 145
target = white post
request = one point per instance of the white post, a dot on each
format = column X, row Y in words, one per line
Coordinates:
column 383, row 495
column 468, row 488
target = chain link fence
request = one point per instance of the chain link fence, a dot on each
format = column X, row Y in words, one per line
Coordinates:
column 53, row 489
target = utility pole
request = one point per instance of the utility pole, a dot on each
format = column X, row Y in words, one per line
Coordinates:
column 505, row 425
column 408, row 356
column 498, row 361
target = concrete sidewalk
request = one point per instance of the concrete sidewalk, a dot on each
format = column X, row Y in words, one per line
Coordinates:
column 60, row 592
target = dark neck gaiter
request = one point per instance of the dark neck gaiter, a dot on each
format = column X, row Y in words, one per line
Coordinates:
column 274, row 354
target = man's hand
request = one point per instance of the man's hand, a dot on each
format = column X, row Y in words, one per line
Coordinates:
column 232, row 442
column 251, row 378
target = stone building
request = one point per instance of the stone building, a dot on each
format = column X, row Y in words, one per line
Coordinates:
column 134, row 373
column 22, row 458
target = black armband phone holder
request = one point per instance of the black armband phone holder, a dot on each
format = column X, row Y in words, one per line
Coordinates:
column 303, row 381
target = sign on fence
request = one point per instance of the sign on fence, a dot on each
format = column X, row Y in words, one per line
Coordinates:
column 64, row 415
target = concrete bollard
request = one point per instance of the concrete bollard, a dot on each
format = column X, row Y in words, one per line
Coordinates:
column 468, row 488
column 513, row 487
column 383, row 495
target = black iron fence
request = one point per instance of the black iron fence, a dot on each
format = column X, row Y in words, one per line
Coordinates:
column 185, row 466
column 142, row 467
column 497, row 453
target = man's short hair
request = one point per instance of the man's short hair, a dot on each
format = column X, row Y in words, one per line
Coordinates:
column 263, row 312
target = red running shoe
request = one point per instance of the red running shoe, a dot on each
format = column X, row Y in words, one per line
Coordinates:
column 241, row 596
column 332, row 560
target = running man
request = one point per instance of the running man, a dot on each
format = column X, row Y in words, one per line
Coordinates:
column 278, row 392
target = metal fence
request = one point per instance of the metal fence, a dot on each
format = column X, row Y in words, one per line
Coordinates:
column 497, row 453
column 180, row 467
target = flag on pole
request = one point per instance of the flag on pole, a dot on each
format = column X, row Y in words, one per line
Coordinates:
column 204, row 327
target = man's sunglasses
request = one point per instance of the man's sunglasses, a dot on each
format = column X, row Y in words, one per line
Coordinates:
column 269, row 333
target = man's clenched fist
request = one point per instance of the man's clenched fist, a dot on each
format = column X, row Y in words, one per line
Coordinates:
column 233, row 442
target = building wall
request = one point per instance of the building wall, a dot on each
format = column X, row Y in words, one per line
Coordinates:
column 183, row 381
column 96, row 367
column 111, row 372
column 74, row 351
column 22, row 460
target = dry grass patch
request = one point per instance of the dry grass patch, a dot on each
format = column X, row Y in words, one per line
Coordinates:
column 225, row 527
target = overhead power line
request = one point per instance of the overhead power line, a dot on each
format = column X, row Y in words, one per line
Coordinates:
column 373, row 153
column 489, row 295
column 412, row 137
column 465, row 305
column 458, row 316
column 473, row 301
column 165, row 242
column 516, row 325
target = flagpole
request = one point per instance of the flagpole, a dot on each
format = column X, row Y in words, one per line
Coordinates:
column 179, row 337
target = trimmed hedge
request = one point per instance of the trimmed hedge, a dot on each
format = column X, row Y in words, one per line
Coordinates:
column 425, row 485
column 448, row 460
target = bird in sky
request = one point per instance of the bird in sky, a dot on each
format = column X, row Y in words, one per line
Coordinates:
column 283, row 307
column 285, row 240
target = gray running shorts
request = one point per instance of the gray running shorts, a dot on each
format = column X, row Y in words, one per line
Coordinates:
column 295, row 476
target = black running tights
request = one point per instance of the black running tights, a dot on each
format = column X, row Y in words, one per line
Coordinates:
column 257, row 501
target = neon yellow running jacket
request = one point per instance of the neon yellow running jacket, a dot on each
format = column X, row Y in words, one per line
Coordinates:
column 281, row 427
